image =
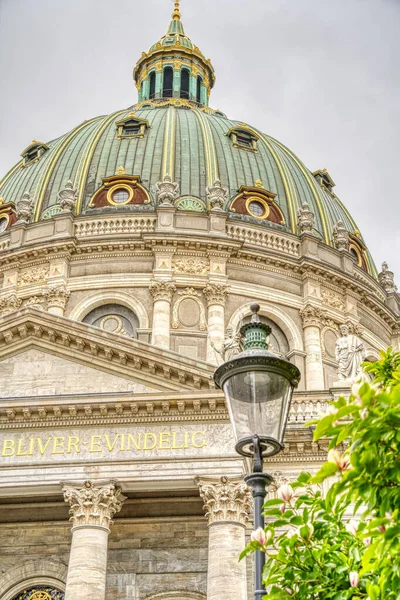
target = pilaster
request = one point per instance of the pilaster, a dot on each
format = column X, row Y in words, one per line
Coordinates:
column 313, row 318
column 56, row 298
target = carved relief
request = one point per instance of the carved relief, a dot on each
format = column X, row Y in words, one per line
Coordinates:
column 189, row 310
column 340, row 236
column 225, row 500
column 386, row 279
column 312, row 316
column 217, row 195
column 305, row 218
column 215, row 294
column 67, row 197
column 92, row 505
column 167, row 191
column 36, row 302
column 332, row 299
column 24, row 208
column 33, row 275
column 193, row 266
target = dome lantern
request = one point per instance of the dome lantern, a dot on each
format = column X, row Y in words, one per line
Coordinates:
column 174, row 67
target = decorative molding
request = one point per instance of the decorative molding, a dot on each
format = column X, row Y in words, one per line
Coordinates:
column 183, row 295
column 93, row 506
column 162, row 290
column 216, row 294
column 56, row 296
column 305, row 218
column 225, row 500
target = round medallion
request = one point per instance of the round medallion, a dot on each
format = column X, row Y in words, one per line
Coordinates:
column 120, row 196
column 113, row 324
column 330, row 343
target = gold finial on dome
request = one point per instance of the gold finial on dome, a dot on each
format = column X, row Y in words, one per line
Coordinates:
column 120, row 171
column 259, row 183
column 2, row 201
column 357, row 232
column 176, row 14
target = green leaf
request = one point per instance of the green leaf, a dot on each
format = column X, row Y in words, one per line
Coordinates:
column 327, row 470
column 324, row 426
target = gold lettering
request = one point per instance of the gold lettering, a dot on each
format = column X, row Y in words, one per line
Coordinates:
column 109, row 444
column 165, row 439
column 58, row 445
column 8, row 448
column 174, row 446
column 42, row 449
column 202, row 443
column 73, row 442
column 122, row 442
column 19, row 449
column 138, row 445
column 186, row 440
column 146, row 438
column 95, row 443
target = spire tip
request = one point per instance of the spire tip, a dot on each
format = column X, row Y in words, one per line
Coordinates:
column 176, row 14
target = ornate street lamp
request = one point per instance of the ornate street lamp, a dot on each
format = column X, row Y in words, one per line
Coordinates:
column 258, row 388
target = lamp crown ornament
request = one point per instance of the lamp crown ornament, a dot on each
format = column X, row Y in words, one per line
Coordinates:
column 255, row 333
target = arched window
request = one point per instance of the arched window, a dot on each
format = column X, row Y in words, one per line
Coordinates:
column 184, row 83
column 40, row 592
column 198, row 91
column 114, row 318
column 152, row 84
column 168, row 80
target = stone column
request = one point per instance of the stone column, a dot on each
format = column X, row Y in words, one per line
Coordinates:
column 92, row 509
column 313, row 319
column 216, row 299
column 56, row 298
column 162, row 292
column 227, row 503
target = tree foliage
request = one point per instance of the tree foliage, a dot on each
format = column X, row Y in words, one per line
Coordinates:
column 345, row 544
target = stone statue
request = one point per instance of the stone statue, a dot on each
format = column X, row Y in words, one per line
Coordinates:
column 24, row 208
column 350, row 353
column 305, row 218
column 167, row 191
column 386, row 279
column 216, row 195
column 340, row 236
column 231, row 346
column 67, row 197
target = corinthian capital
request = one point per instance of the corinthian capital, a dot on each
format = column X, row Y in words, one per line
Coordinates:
column 56, row 295
column 9, row 303
column 312, row 315
column 162, row 290
column 225, row 500
column 93, row 506
column 215, row 294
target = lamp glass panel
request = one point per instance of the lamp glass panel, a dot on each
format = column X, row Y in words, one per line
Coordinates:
column 258, row 404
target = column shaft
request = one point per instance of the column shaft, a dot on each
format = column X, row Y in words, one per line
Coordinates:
column 87, row 564
column 314, row 367
column 226, row 576
column 161, row 323
column 216, row 330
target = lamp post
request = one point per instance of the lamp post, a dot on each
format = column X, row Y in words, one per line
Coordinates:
column 258, row 388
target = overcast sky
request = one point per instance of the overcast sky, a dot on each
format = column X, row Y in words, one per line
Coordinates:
column 322, row 76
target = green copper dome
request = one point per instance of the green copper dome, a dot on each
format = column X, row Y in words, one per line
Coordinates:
column 182, row 137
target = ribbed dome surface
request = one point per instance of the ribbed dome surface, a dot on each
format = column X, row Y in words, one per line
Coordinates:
column 186, row 141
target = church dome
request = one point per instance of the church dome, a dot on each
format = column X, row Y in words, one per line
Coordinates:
column 171, row 132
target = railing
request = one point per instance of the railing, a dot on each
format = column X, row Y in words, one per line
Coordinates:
column 266, row 239
column 303, row 410
column 112, row 226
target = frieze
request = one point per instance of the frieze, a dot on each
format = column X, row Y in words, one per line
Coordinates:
column 33, row 275
column 192, row 266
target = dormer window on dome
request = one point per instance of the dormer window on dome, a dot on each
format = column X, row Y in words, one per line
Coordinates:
column 120, row 190
column 131, row 127
column 324, row 179
column 358, row 250
column 33, row 152
column 258, row 203
column 243, row 138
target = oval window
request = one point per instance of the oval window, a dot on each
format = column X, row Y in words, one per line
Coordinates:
column 256, row 209
column 120, row 196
